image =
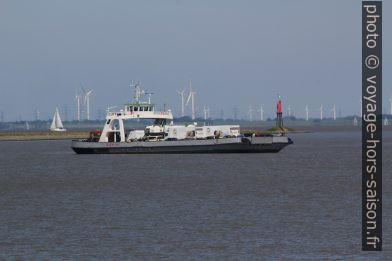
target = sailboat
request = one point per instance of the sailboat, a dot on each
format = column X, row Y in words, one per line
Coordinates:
column 57, row 125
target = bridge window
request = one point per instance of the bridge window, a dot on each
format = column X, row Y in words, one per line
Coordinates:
column 136, row 108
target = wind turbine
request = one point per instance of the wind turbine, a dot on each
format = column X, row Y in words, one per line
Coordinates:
column 321, row 112
column 235, row 113
column 390, row 103
column 250, row 113
column 221, row 114
column 306, row 112
column 182, row 93
column 205, row 113
column 334, row 112
column 77, row 98
column 37, row 113
column 87, row 95
column 355, row 121
column 261, row 110
column 289, row 110
column 191, row 95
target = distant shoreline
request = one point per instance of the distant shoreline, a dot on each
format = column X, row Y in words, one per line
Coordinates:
column 42, row 135
column 32, row 135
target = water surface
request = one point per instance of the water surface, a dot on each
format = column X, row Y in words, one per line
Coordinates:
column 302, row 203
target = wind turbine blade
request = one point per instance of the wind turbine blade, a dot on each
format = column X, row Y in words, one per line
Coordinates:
column 189, row 98
column 81, row 86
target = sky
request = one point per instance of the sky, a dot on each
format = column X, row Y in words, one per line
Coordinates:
column 236, row 53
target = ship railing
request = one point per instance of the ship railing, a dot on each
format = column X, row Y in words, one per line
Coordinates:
column 112, row 113
column 166, row 113
column 161, row 113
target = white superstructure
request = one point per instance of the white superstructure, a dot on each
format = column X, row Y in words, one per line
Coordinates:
column 161, row 129
column 218, row 131
column 114, row 131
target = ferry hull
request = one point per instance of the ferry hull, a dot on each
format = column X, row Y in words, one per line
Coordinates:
column 229, row 145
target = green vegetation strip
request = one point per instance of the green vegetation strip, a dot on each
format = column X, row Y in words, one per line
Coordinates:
column 43, row 135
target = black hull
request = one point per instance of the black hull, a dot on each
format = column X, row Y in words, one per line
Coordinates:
column 216, row 148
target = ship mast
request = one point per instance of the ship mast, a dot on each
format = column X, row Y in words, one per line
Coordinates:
column 138, row 90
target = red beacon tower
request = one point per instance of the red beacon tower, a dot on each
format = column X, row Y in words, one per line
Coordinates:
column 279, row 118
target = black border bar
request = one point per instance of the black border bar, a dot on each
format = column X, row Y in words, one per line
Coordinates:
column 372, row 126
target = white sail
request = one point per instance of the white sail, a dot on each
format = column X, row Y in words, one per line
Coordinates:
column 53, row 126
column 57, row 125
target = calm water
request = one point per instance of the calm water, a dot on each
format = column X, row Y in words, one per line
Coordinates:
column 303, row 203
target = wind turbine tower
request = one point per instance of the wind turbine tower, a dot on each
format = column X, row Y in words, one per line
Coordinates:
column 261, row 110
column 250, row 114
column 87, row 102
column 182, row 94
column 37, row 114
column 289, row 110
column 334, row 112
column 235, row 112
column 87, row 95
column 321, row 112
column 355, row 121
column 221, row 114
column 390, row 104
column 77, row 98
column 191, row 96
column 306, row 112
column 205, row 113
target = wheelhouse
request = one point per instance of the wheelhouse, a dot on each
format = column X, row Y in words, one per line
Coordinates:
column 139, row 107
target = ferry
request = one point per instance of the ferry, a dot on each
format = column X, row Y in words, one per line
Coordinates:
column 163, row 136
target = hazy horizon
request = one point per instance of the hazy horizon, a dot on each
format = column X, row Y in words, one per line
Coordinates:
column 237, row 54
